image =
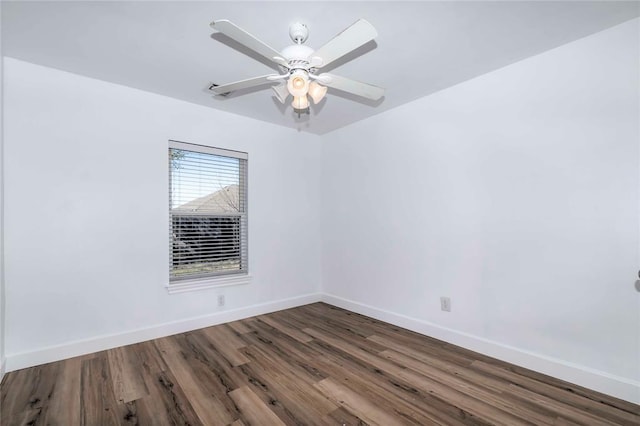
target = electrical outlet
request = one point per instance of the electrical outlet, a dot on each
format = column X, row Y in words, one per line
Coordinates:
column 221, row 300
column 445, row 304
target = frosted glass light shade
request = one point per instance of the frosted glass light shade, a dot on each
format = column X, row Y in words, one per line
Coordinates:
column 300, row 102
column 298, row 83
column 281, row 92
column 317, row 92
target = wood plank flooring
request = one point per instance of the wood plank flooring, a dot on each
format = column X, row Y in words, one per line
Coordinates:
column 315, row 364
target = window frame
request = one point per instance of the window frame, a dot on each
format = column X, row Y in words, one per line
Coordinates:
column 212, row 280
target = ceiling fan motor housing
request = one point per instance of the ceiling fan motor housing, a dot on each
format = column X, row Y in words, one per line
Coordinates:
column 297, row 56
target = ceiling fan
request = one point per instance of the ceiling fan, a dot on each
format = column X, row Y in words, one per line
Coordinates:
column 300, row 64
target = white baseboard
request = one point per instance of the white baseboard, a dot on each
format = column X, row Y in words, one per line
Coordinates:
column 619, row 387
column 3, row 364
column 87, row 346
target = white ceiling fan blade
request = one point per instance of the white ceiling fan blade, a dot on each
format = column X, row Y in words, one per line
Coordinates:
column 349, row 39
column 242, row 84
column 365, row 90
column 233, row 31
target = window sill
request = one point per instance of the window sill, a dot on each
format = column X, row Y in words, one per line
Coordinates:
column 205, row 283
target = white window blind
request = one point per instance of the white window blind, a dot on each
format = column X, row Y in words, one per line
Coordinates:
column 208, row 212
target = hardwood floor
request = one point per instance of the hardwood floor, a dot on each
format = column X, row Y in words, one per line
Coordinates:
column 315, row 364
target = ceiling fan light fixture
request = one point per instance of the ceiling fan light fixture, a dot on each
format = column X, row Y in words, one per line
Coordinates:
column 317, row 92
column 298, row 83
column 281, row 92
column 300, row 102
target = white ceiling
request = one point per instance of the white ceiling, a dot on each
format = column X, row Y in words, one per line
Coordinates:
column 422, row 47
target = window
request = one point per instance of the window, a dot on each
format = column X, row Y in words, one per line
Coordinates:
column 208, row 213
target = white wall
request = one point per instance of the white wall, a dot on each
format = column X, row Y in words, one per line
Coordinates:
column 2, row 296
column 87, row 221
column 515, row 194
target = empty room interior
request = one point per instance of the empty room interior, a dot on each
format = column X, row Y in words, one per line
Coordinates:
column 331, row 213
